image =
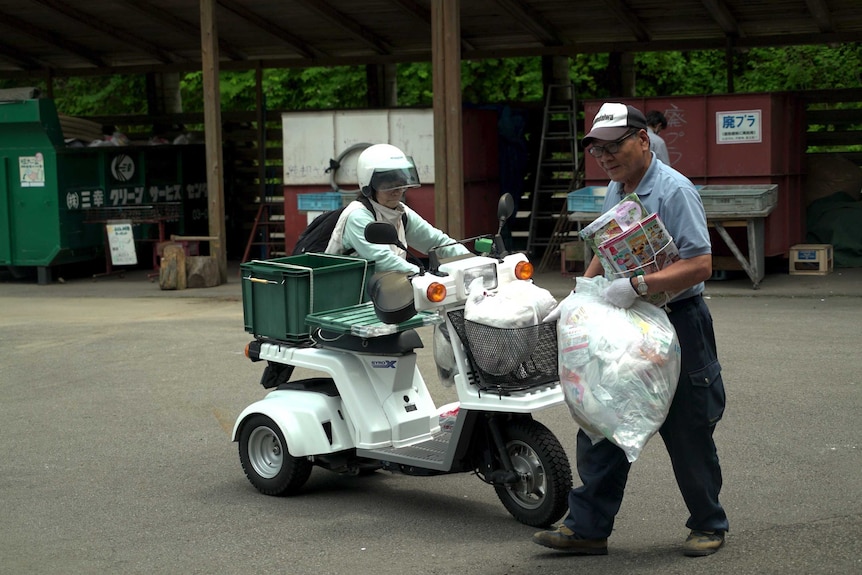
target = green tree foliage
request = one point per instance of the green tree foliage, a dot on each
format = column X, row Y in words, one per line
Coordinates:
column 501, row 80
column 801, row 68
column 483, row 81
column 283, row 89
column 415, row 84
column 681, row 73
column 93, row 96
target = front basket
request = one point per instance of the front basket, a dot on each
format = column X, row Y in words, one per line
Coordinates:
column 507, row 360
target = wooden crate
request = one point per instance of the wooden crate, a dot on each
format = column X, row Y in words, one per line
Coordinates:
column 811, row 259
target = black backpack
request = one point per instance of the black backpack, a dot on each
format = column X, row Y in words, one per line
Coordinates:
column 315, row 237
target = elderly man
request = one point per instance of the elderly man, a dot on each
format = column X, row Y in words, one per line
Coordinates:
column 619, row 142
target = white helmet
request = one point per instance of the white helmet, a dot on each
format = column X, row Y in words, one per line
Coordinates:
column 383, row 167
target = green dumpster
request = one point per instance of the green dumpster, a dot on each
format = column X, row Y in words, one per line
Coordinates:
column 55, row 201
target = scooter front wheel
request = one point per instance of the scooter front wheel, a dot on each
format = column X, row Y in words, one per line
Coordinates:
column 541, row 495
column 266, row 461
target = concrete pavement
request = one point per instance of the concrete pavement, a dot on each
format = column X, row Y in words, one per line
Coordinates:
column 843, row 282
column 117, row 400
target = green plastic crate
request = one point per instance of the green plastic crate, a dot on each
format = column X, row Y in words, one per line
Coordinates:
column 278, row 294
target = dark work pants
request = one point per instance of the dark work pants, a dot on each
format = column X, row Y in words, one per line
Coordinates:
column 697, row 406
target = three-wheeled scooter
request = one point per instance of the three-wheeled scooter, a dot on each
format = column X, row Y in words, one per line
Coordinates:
column 371, row 408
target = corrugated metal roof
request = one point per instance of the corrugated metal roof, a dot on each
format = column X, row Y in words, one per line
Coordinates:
column 69, row 37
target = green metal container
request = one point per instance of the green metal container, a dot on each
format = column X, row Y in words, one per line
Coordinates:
column 278, row 294
column 55, row 200
column 37, row 228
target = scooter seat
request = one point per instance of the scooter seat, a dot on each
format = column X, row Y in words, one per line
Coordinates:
column 397, row 343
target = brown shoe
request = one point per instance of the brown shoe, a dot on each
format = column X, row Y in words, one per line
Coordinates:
column 564, row 539
column 703, row 543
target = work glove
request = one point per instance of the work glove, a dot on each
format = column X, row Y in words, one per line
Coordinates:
column 620, row 293
column 554, row 314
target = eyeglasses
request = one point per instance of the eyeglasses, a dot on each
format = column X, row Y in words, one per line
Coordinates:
column 611, row 147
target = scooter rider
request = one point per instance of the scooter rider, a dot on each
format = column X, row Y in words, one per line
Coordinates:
column 384, row 173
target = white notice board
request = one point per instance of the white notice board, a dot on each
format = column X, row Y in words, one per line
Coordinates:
column 121, row 240
column 311, row 139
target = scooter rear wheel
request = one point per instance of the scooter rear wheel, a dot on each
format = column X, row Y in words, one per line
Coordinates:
column 266, row 461
column 541, row 495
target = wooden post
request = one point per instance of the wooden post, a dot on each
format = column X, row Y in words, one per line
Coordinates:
column 448, row 141
column 212, row 134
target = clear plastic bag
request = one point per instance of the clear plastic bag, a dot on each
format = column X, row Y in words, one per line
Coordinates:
column 444, row 357
column 618, row 367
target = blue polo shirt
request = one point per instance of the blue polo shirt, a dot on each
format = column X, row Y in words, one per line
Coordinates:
column 674, row 198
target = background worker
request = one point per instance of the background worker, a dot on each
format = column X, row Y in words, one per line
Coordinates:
column 656, row 123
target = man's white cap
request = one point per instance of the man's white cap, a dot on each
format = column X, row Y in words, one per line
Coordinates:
column 613, row 121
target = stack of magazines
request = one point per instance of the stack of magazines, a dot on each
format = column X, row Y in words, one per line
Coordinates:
column 629, row 241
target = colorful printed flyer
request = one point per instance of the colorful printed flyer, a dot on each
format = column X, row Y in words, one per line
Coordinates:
column 627, row 246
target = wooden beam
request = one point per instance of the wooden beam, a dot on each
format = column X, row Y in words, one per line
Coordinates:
column 624, row 14
column 19, row 58
column 260, row 121
column 532, row 21
column 296, row 43
column 424, row 15
column 359, row 32
column 110, row 29
column 52, row 38
column 448, row 140
column 415, row 8
column 822, row 16
column 212, row 134
column 719, row 12
column 187, row 28
column 729, row 56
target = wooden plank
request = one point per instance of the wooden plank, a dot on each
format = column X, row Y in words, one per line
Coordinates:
column 212, row 133
column 725, row 263
column 839, row 116
column 834, row 138
column 448, row 140
column 855, row 157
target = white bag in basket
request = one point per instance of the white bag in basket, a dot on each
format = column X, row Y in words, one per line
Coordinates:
column 519, row 304
column 618, row 367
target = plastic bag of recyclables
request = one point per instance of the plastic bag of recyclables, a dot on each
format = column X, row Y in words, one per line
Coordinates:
column 618, row 367
column 515, row 310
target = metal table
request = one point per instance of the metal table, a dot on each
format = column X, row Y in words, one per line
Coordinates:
column 754, row 265
column 579, row 218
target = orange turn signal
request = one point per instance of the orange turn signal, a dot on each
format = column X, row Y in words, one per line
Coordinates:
column 523, row 270
column 246, row 349
column 436, row 292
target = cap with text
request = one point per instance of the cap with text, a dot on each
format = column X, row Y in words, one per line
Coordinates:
column 613, row 121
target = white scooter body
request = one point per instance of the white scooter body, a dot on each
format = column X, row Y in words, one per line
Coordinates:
column 388, row 391
column 371, row 407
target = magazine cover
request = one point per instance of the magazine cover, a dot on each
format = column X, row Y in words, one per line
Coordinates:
column 643, row 248
column 621, row 217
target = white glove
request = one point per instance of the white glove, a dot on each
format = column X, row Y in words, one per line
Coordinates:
column 620, row 293
column 554, row 314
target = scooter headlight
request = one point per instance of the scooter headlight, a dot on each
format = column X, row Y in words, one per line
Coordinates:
column 487, row 272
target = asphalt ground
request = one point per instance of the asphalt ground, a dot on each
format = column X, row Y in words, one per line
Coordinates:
column 117, row 400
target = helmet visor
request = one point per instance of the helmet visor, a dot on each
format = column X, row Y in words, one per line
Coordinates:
column 394, row 179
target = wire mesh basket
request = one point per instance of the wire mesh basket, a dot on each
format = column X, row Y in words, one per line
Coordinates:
column 507, row 360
